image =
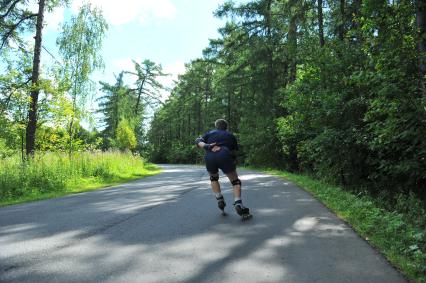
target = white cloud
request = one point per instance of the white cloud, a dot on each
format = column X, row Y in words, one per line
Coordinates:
column 174, row 69
column 124, row 11
column 54, row 18
column 162, row 9
column 51, row 19
column 125, row 64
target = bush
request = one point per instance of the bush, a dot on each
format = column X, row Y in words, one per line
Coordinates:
column 125, row 136
column 59, row 172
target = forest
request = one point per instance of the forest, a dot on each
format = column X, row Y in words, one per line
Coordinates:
column 333, row 89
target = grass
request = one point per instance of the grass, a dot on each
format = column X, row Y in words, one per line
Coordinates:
column 399, row 240
column 52, row 175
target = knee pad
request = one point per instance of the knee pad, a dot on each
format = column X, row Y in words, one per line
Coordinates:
column 214, row 178
column 236, row 182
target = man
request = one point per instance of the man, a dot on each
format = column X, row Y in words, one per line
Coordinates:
column 220, row 146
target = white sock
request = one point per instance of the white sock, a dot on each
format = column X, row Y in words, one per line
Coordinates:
column 237, row 199
column 218, row 195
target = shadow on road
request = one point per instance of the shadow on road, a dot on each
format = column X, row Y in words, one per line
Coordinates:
column 167, row 228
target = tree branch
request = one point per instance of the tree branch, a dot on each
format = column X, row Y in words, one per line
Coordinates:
column 10, row 9
column 13, row 27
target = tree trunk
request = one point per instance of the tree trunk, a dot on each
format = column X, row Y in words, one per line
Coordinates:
column 32, row 112
column 140, row 94
column 343, row 19
column 199, row 117
column 270, row 87
column 70, row 132
column 421, row 25
column 189, row 126
column 229, row 110
column 320, row 24
column 292, row 41
column 22, row 145
column 356, row 15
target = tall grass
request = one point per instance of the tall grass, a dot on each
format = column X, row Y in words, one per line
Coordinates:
column 52, row 174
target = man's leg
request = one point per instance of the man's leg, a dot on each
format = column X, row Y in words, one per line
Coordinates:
column 238, row 202
column 236, row 184
column 214, row 181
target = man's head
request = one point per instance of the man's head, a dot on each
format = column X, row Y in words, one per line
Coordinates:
column 221, row 124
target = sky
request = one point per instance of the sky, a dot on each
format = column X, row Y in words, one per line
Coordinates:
column 168, row 32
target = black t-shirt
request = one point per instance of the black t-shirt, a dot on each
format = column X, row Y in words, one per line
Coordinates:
column 221, row 138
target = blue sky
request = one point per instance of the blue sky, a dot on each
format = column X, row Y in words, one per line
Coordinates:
column 168, row 32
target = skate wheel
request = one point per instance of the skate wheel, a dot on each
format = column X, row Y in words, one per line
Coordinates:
column 246, row 217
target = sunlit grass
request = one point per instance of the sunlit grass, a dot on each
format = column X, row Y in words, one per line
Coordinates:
column 54, row 174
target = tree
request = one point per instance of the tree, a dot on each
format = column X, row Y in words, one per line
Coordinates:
column 421, row 25
column 15, row 84
column 79, row 45
column 320, row 23
column 15, row 20
column 334, row 92
column 118, row 104
column 13, row 109
column 259, row 49
column 32, row 110
column 125, row 136
column 147, row 84
column 110, row 105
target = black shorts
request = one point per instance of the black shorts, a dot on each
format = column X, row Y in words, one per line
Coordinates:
column 222, row 159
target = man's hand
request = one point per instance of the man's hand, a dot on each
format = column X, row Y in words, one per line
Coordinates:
column 215, row 148
column 207, row 146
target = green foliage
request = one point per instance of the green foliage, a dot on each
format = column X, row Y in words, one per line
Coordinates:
column 350, row 111
column 238, row 79
column 54, row 174
column 118, row 103
column 356, row 110
column 114, row 105
column 79, row 45
column 56, row 139
column 125, row 136
column 5, row 151
column 17, row 19
column 121, row 102
column 147, row 85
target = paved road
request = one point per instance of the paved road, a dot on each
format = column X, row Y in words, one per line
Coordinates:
column 166, row 228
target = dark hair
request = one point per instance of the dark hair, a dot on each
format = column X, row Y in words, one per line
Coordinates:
column 221, row 124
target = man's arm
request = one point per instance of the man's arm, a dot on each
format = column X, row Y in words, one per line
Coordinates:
column 201, row 143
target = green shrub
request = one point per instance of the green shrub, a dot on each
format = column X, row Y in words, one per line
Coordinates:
column 60, row 172
column 125, row 136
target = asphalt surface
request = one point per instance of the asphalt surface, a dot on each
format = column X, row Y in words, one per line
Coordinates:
column 167, row 228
